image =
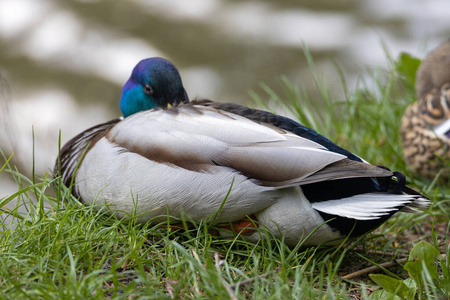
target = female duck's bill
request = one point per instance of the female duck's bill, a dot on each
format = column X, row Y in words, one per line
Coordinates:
column 183, row 160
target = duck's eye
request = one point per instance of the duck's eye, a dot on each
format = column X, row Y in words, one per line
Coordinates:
column 148, row 89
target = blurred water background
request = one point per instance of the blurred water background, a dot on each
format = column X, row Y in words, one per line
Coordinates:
column 65, row 61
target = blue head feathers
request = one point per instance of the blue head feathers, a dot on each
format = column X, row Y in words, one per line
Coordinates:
column 154, row 82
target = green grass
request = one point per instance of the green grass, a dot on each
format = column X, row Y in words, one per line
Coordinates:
column 64, row 250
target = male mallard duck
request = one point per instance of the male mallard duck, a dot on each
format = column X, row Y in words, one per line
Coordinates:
column 425, row 128
column 185, row 159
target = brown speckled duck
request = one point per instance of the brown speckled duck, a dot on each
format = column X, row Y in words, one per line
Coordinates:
column 425, row 127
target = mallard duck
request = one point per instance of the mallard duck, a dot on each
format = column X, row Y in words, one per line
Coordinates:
column 425, row 127
column 169, row 155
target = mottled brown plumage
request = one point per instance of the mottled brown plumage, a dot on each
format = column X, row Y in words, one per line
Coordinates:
column 424, row 131
column 434, row 71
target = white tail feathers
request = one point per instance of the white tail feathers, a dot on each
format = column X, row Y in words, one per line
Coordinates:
column 371, row 206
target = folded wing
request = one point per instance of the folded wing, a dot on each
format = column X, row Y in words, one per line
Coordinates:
column 202, row 139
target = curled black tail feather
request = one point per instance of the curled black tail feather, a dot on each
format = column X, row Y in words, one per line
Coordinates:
column 401, row 183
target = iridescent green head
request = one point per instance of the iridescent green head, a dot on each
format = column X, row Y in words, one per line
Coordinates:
column 154, row 82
